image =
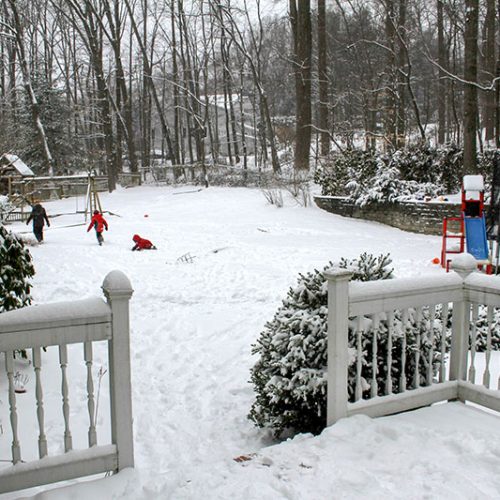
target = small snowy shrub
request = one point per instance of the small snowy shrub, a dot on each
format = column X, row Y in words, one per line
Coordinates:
column 273, row 197
column 16, row 268
column 290, row 375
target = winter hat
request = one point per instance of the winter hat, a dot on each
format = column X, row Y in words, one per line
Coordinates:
column 136, row 237
column 96, row 212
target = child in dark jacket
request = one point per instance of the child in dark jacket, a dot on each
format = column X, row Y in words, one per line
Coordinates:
column 39, row 217
column 142, row 244
column 98, row 223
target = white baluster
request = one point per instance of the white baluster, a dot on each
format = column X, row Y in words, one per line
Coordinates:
column 418, row 345
column 402, row 377
column 37, row 365
column 90, row 393
column 473, row 339
column 444, row 322
column 416, row 377
column 390, row 328
column 9, row 367
column 432, row 320
column 63, row 361
column 486, row 374
column 374, row 387
column 359, row 358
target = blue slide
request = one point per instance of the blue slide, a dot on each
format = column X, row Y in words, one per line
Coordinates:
column 475, row 236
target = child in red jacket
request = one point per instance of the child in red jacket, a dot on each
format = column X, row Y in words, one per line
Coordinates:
column 142, row 244
column 98, row 223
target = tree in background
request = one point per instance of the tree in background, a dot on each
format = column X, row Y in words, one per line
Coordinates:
column 300, row 19
column 470, row 89
column 323, row 121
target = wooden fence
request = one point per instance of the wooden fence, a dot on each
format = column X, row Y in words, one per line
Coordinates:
column 62, row 324
column 382, row 314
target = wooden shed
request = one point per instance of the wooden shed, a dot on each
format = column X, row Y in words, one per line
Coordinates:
column 12, row 169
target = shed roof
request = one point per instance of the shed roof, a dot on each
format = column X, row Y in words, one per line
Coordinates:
column 9, row 160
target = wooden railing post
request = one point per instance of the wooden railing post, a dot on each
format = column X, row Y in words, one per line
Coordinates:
column 463, row 266
column 338, row 306
column 118, row 290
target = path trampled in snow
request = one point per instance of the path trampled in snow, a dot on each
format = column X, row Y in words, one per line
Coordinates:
column 192, row 326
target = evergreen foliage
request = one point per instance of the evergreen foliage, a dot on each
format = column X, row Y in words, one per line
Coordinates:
column 482, row 329
column 16, row 268
column 290, row 375
column 406, row 174
column 22, row 137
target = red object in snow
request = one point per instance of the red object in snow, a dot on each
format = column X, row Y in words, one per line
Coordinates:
column 142, row 243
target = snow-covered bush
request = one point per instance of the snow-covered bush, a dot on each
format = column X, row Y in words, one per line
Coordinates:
column 482, row 329
column 407, row 174
column 387, row 186
column 290, row 375
column 16, row 268
column 5, row 206
column 353, row 165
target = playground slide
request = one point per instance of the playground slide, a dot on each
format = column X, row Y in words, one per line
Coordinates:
column 475, row 236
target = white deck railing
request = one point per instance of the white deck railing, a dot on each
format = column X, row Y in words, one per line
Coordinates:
column 385, row 313
column 85, row 321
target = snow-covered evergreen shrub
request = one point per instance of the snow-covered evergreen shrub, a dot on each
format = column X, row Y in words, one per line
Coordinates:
column 425, row 164
column 406, row 174
column 16, row 268
column 5, row 206
column 290, row 375
column 482, row 329
column 353, row 165
column 388, row 187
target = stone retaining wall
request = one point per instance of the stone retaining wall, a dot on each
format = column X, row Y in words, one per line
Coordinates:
column 417, row 217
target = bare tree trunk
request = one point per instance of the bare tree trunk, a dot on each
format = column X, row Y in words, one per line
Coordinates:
column 470, row 90
column 175, row 77
column 488, row 73
column 323, row 80
column 300, row 18
column 146, row 94
column 497, row 92
column 403, row 82
column 441, row 96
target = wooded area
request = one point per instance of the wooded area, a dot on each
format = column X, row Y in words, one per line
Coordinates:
column 115, row 84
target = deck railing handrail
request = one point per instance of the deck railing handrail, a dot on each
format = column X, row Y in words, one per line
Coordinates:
column 61, row 324
column 363, row 304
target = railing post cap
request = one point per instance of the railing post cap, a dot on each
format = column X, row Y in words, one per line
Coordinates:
column 116, row 284
column 336, row 274
column 464, row 264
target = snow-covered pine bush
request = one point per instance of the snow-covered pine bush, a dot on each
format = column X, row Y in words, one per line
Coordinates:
column 351, row 166
column 410, row 173
column 290, row 375
column 482, row 329
column 387, row 186
column 5, row 206
column 16, row 268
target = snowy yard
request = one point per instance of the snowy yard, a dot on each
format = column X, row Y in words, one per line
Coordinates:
column 192, row 325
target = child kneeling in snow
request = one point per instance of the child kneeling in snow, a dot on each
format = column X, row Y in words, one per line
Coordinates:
column 142, row 244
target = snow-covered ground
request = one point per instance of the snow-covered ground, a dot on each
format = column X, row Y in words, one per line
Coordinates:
column 193, row 321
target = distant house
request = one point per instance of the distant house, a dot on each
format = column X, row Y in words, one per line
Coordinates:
column 12, row 169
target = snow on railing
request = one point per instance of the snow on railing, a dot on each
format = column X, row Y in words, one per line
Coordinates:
column 62, row 325
column 411, row 341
